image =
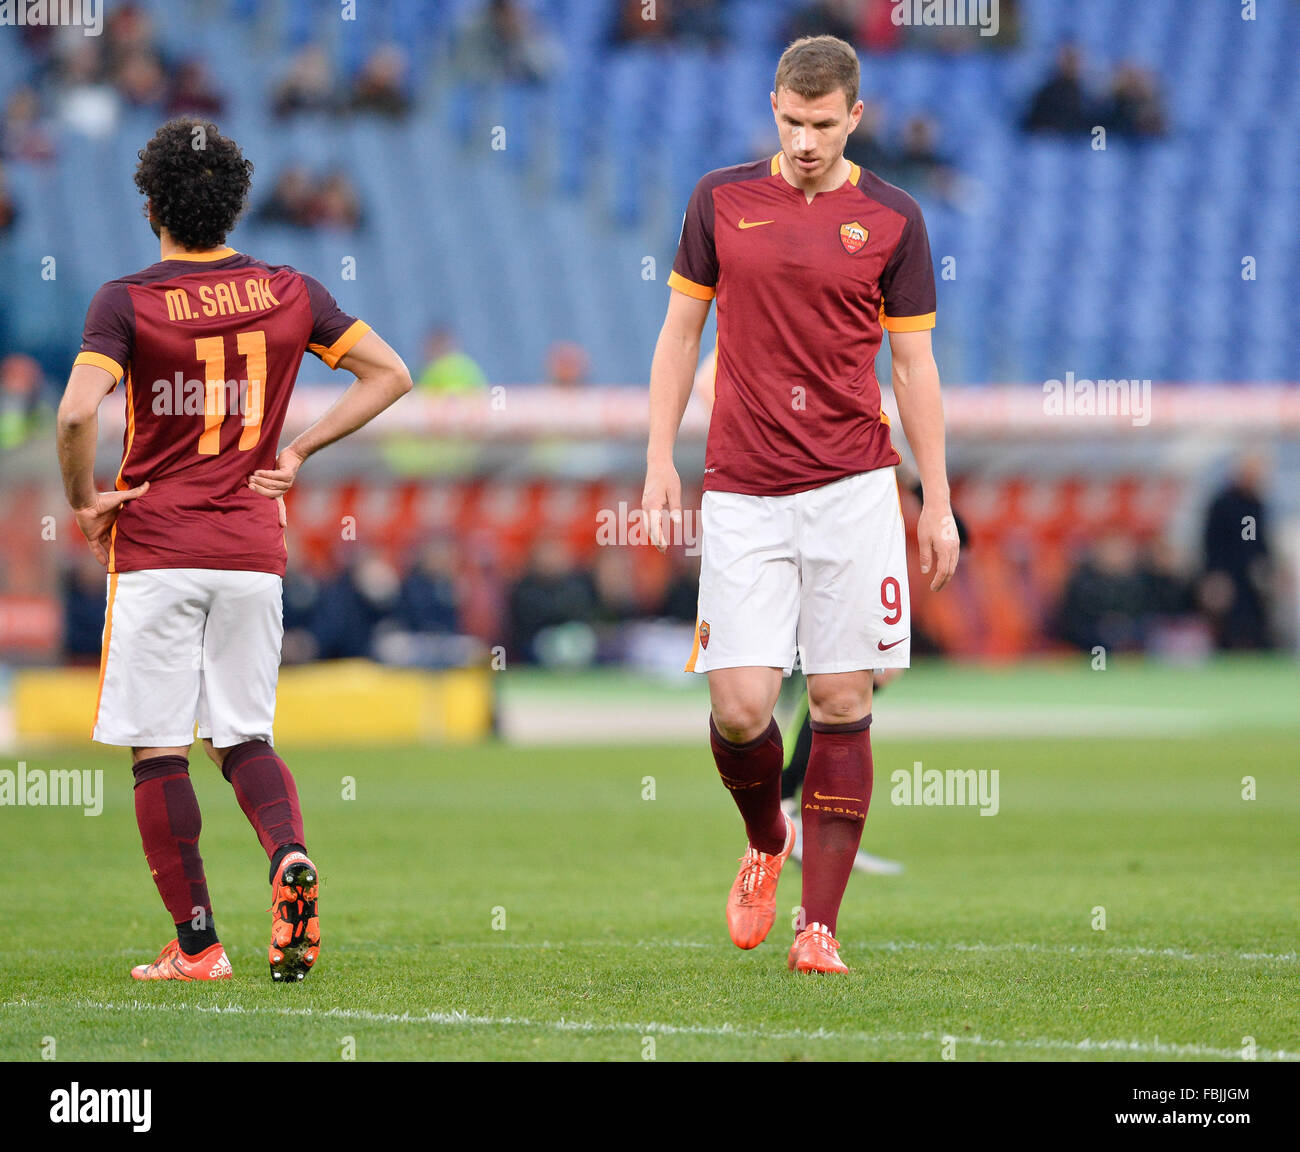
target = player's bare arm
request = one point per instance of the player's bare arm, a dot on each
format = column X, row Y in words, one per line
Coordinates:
column 382, row 379
column 672, row 376
column 78, row 432
column 916, row 389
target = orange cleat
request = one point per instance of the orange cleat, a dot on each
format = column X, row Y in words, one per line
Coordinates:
column 816, row 950
column 751, row 907
column 295, row 928
column 172, row 964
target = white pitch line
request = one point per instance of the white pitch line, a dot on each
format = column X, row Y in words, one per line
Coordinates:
column 466, row 1019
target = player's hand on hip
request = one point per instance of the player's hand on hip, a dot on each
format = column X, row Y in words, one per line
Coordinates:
column 663, row 490
column 940, row 544
column 96, row 520
column 275, row 482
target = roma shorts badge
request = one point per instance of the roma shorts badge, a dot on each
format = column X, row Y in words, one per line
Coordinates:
column 853, row 236
column 704, row 633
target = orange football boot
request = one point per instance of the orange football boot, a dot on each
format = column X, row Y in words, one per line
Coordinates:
column 816, row 950
column 751, row 906
column 172, row 964
column 295, row 928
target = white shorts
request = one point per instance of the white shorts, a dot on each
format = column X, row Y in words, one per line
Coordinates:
column 821, row 574
column 184, row 645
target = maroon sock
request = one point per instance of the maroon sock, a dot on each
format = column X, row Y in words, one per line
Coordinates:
column 752, row 773
column 266, row 792
column 836, row 795
column 167, row 812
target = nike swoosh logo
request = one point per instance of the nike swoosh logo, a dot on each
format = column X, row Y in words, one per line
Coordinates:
column 819, row 796
column 752, row 223
column 886, row 647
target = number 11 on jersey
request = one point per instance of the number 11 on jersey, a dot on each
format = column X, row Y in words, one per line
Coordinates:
column 212, row 351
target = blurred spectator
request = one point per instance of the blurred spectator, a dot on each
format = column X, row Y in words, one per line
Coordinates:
column 1134, row 107
column 337, row 204
column 682, row 593
column 84, row 596
column 824, row 18
column 919, row 162
column 865, row 146
column 502, row 42
column 425, row 629
column 291, row 200
column 1126, row 598
column 193, row 92
column 21, row 383
column 308, row 86
column 1169, row 591
column 698, row 22
column 427, row 600
column 875, row 29
column 301, row 591
column 128, row 30
column 140, row 80
column 1105, row 598
column 448, row 370
column 24, row 134
column 298, row 201
column 615, row 583
column 551, row 592
column 484, row 596
column 1238, row 559
column 381, row 85
column 567, row 364
column 88, row 105
column 1062, row 104
column 8, row 209
column 351, row 605
column 634, row 23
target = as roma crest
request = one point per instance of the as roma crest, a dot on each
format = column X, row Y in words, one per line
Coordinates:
column 853, row 236
column 704, row 633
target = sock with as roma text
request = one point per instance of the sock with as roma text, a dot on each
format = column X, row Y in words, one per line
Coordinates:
column 167, row 813
column 836, row 796
column 752, row 774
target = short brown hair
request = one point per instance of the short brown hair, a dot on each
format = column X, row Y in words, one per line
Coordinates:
column 814, row 66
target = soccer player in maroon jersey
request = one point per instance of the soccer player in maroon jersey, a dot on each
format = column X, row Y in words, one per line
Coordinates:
column 811, row 259
column 208, row 341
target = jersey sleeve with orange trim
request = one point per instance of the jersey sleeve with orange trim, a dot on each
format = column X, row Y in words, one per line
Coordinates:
column 333, row 331
column 695, row 270
column 109, row 332
column 907, row 280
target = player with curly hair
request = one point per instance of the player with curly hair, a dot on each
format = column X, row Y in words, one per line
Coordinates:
column 208, row 341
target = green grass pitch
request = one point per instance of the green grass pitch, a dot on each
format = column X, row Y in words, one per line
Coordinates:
column 497, row 903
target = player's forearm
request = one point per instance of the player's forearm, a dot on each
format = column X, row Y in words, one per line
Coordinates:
column 920, row 406
column 672, row 376
column 77, row 435
column 365, row 399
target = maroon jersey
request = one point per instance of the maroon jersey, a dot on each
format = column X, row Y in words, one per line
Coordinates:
column 803, row 292
column 210, row 346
